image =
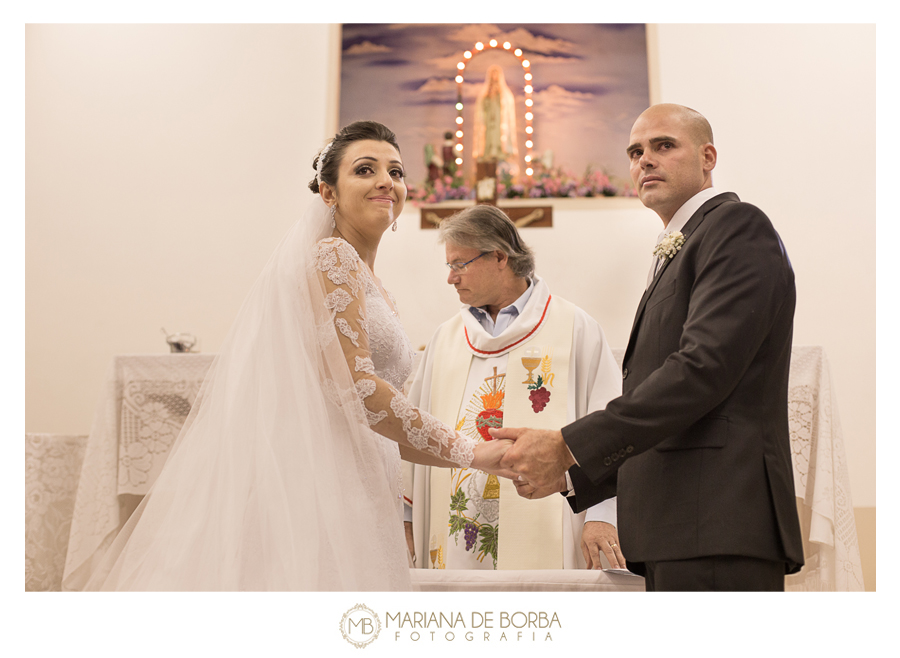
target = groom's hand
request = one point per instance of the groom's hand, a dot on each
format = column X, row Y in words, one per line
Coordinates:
column 541, row 456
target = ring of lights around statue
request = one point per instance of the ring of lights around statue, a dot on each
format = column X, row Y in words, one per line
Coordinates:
column 486, row 173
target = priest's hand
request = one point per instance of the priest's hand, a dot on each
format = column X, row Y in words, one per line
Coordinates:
column 598, row 537
column 528, row 490
column 541, row 456
column 488, row 455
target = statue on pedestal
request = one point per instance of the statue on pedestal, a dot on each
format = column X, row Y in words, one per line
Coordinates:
column 495, row 123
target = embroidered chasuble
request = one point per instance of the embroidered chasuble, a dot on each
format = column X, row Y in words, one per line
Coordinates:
column 517, row 379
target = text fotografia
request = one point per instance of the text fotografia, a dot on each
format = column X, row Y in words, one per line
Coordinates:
column 479, row 626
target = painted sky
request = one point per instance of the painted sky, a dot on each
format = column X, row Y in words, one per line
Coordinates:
column 590, row 83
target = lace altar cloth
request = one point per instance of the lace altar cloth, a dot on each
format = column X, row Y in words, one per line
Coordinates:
column 144, row 402
column 52, row 467
column 147, row 397
column 821, row 479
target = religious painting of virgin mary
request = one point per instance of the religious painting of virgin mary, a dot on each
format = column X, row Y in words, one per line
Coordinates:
column 547, row 107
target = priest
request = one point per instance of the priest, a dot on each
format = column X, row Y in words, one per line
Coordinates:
column 519, row 356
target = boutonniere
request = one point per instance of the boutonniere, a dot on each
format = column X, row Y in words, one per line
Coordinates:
column 669, row 245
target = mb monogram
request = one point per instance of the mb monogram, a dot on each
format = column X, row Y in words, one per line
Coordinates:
column 360, row 626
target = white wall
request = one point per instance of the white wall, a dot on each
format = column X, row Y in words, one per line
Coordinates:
column 163, row 165
column 164, row 162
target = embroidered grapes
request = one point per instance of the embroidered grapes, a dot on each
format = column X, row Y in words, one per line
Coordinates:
column 539, row 396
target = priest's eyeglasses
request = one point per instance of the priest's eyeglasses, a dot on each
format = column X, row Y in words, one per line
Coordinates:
column 460, row 268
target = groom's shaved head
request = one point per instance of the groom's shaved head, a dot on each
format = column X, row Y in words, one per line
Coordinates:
column 695, row 124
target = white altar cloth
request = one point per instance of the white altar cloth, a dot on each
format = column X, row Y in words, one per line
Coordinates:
column 52, row 468
column 821, row 479
column 536, row 580
column 144, row 402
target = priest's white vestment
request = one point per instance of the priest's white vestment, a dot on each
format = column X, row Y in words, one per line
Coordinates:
column 549, row 367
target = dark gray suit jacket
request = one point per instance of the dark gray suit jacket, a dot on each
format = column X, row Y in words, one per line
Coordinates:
column 697, row 447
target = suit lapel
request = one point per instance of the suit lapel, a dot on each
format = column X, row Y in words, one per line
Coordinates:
column 692, row 224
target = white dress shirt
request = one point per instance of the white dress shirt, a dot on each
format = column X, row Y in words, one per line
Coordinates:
column 679, row 219
column 506, row 315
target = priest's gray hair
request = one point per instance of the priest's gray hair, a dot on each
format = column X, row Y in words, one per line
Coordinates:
column 487, row 228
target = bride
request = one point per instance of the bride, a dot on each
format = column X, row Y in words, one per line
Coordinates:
column 277, row 480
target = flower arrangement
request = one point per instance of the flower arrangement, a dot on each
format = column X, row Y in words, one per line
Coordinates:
column 545, row 182
column 444, row 188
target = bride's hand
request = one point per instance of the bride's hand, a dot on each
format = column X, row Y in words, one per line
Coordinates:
column 532, row 492
column 488, row 455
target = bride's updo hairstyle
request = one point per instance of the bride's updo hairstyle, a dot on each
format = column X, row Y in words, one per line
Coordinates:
column 327, row 169
column 487, row 228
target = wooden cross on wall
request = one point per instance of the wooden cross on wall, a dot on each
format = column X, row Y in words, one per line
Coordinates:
column 522, row 216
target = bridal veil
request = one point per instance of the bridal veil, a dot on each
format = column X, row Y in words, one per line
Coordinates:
column 275, row 482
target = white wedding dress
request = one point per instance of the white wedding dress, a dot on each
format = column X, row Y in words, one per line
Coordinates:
column 277, row 482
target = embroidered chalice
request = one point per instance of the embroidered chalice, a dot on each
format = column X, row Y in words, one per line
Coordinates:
column 531, row 360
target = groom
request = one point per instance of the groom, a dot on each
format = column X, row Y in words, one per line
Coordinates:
column 697, row 447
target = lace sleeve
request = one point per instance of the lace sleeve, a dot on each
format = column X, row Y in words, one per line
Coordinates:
column 387, row 410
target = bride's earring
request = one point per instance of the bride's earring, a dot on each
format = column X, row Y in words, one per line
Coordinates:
column 394, row 226
column 333, row 210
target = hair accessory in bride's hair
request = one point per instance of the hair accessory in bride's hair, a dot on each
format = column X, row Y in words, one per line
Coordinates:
column 321, row 161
